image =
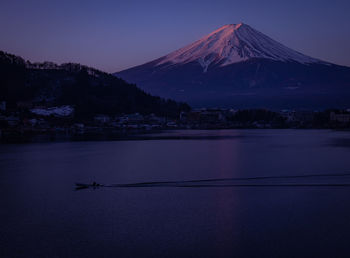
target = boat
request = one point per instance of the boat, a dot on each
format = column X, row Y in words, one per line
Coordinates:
column 84, row 186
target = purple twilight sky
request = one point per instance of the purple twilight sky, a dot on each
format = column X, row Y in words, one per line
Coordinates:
column 114, row 35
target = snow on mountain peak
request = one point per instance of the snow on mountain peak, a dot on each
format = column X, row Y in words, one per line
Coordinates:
column 233, row 43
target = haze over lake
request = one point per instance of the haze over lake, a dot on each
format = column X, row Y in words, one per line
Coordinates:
column 42, row 215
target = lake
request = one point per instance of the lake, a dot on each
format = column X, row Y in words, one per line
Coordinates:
column 42, row 215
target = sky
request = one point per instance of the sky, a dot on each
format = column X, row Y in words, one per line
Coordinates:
column 115, row 35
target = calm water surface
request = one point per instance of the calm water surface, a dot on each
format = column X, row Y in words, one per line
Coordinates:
column 41, row 214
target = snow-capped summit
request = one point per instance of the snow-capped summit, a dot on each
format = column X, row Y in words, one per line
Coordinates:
column 234, row 43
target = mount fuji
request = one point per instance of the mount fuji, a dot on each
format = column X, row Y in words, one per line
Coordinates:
column 238, row 66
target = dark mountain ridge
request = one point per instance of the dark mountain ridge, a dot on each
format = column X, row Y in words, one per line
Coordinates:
column 89, row 90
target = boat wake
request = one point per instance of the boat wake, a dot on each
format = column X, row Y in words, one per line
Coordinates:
column 310, row 180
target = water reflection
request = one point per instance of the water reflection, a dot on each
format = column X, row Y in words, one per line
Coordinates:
column 42, row 215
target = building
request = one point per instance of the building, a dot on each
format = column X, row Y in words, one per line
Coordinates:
column 340, row 118
column 2, row 105
column 24, row 104
column 192, row 117
column 135, row 118
column 103, row 119
column 304, row 116
column 12, row 120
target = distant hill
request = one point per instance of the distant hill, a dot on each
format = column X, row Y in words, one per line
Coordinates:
column 89, row 90
column 238, row 66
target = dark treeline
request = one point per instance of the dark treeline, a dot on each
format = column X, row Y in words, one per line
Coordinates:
column 90, row 91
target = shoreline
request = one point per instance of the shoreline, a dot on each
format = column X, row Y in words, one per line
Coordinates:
column 134, row 135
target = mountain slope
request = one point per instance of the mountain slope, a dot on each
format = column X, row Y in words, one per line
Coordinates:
column 237, row 65
column 89, row 90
